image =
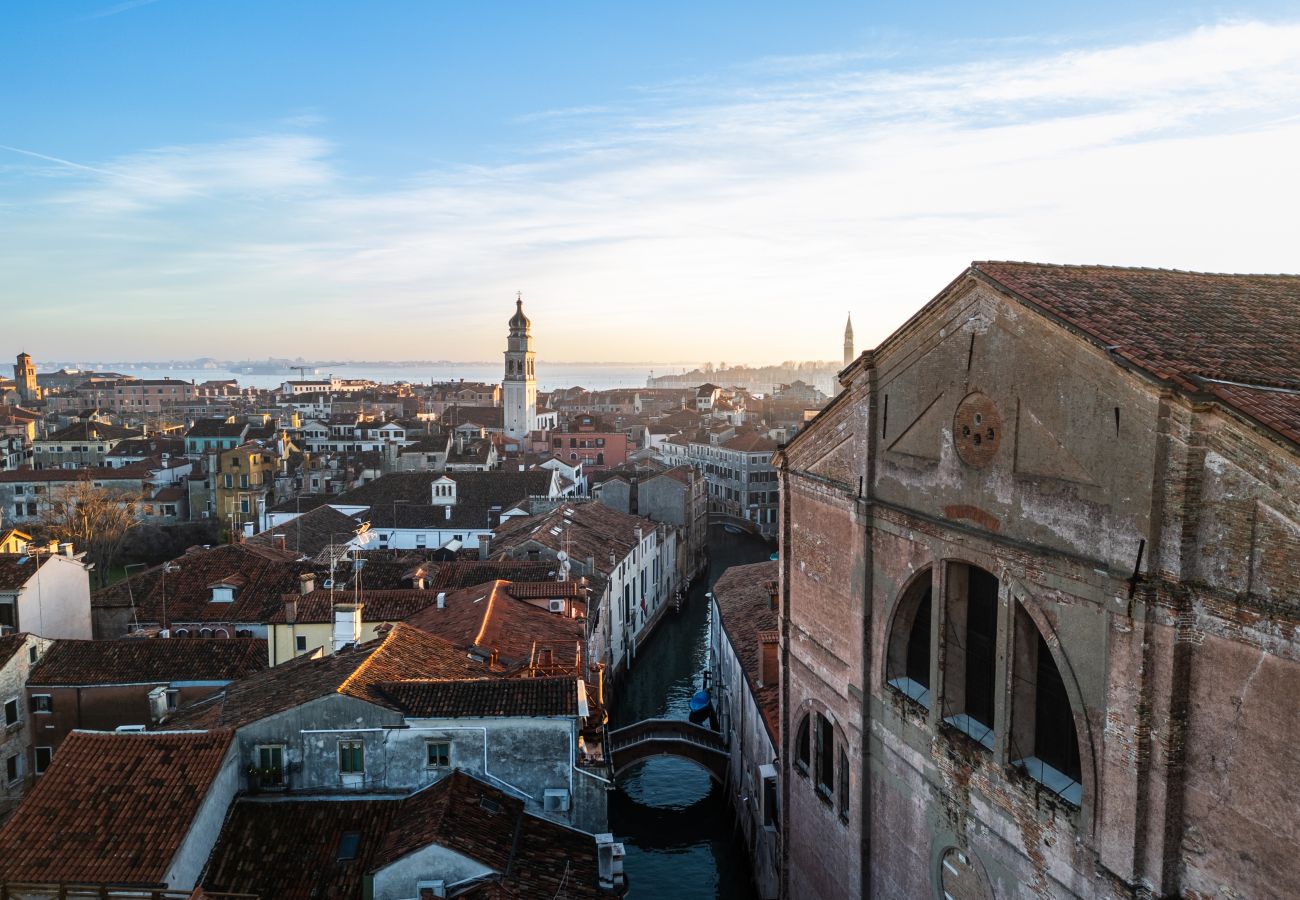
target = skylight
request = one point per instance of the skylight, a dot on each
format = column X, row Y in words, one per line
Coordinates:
column 348, row 844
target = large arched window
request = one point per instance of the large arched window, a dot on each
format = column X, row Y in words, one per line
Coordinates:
column 908, row 667
column 1044, row 740
column 971, row 652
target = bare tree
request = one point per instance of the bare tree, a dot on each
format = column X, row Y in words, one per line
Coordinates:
column 93, row 519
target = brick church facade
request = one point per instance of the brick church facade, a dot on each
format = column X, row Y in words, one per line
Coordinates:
column 1040, row 588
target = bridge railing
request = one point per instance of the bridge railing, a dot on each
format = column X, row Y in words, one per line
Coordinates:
column 666, row 729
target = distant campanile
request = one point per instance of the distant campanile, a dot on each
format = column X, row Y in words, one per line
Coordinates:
column 25, row 379
column 848, row 341
column 519, row 386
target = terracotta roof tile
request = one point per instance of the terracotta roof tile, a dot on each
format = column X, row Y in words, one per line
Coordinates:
column 743, row 595
column 1235, row 337
column 309, row 533
column 71, row 662
column 290, row 850
column 534, row 858
column 267, row 574
column 17, row 569
column 11, row 644
column 402, row 654
column 486, row 697
column 487, row 616
column 112, row 807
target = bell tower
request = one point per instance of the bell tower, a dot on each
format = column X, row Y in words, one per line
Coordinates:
column 848, row 341
column 25, row 379
column 519, row 384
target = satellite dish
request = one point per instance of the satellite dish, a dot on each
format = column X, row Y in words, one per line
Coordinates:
column 562, row 556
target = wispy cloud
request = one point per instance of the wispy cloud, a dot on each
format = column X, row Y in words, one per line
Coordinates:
column 117, row 8
column 702, row 219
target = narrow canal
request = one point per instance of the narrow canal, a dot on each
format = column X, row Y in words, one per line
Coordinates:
column 674, row 820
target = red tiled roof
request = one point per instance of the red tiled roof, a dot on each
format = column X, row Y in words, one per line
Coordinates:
column 112, row 807
column 377, row 606
column 743, row 595
column 1234, row 337
column 750, row 442
column 403, row 653
column 486, row 697
column 265, row 574
column 534, row 858
column 71, row 662
column 289, row 850
column 17, row 569
column 487, row 616
column 11, row 644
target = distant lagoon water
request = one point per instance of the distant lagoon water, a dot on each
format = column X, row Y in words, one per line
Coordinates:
column 549, row 377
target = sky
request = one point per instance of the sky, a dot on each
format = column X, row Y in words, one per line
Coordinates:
column 668, row 182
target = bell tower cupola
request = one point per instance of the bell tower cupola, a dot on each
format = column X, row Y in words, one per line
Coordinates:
column 519, row 383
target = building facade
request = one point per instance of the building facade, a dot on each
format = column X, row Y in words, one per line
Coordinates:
column 1038, row 580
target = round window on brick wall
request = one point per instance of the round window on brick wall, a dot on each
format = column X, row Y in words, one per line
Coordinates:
column 977, row 430
column 961, row 877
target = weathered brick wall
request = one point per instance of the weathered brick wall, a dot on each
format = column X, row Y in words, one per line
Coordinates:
column 823, row 593
column 1181, row 668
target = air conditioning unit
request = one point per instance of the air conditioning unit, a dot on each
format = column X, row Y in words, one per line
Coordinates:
column 555, row 800
column 557, row 606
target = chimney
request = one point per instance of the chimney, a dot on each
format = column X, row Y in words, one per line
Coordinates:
column 66, row 548
column 306, row 583
column 442, row 599
column 609, row 862
column 347, row 624
column 290, row 610
column 448, row 509
column 769, row 672
column 278, row 541
column 484, row 545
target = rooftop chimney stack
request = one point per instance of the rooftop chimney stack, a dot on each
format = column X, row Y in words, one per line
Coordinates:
column 306, row 583
column 484, row 545
column 442, row 599
column 347, row 624
column 609, row 862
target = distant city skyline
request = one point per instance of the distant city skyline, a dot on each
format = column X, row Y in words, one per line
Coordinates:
column 316, row 179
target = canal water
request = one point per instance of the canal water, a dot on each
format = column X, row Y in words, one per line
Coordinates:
column 680, row 833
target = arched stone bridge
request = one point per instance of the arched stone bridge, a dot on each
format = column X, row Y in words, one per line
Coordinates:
column 721, row 518
column 668, row 737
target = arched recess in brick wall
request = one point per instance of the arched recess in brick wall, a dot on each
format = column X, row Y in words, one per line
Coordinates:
column 829, row 771
column 907, row 644
column 1033, row 633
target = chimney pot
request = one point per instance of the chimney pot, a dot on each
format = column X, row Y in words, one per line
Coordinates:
column 442, row 599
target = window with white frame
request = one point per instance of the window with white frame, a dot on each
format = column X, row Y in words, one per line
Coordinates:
column 43, row 755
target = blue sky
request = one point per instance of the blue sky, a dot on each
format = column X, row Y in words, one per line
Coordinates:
column 670, row 181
